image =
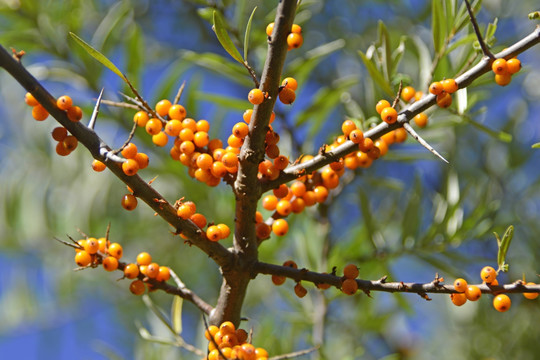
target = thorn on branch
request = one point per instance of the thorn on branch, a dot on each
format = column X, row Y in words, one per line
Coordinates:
column 17, row 55
column 383, row 279
column 423, row 142
column 424, row 296
column 396, row 99
column 179, row 93
column 95, row 113
column 481, row 41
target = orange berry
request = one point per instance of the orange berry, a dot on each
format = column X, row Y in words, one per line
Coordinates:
column 290, row 83
column 421, row 120
column 91, row 246
column 64, row 102
column 242, row 336
column 39, row 113
column 153, row 126
column 59, row 133
column 347, row 127
column 74, row 113
column 130, row 167
column 140, row 118
column 269, row 29
column 278, row 280
column 137, row 287
column 110, row 263
column 450, row 86
column 460, row 285
column 173, row 127
column 102, row 245
column 115, row 249
column 225, row 230
column 296, row 29
column 298, row 205
column 263, row 230
column 177, row 112
column 129, row 151
column 213, row 233
column 30, row 100
column 142, row 160
column 321, row 193
column 444, row 100
column 389, row 115
column 201, row 139
column 61, row 150
column 204, row 161
column 144, row 258
column 407, row 93
column 349, row 286
column 280, row 227
column 281, row 162
column 513, row 65
column 269, row 202
column 400, row 135
column 299, row 290
column 211, row 332
column 458, row 299
column 356, row 136
column 436, row 88
column 214, row 144
column 298, row 188
column 152, row 270
column 98, row 166
column 351, row 271
column 258, row 217
column 287, row 96
column 283, row 207
column 247, row 115
column 294, row 40
column 503, row 79
column 234, row 141
column 240, row 130
column 381, row 105
column 530, row 296
column 488, row 274
column 70, row 143
column 500, row 67
column 160, row 139
column 256, row 96
column 82, row 258
column 229, row 159
column 281, row 191
column 202, row 125
column 418, row 95
column 162, row 107
column 164, row 274
column 131, row 271
column 473, row 293
column 198, row 219
column 502, row 303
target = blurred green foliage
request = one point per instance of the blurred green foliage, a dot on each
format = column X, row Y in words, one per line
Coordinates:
column 407, row 217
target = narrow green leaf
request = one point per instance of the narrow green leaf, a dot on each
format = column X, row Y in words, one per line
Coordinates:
column 246, row 36
column 98, row 56
column 397, row 55
column 176, row 314
column 413, row 213
column 376, row 75
column 109, row 23
column 157, row 311
column 224, row 39
column 501, row 135
column 536, row 146
column 384, row 40
column 219, row 65
column 503, row 248
column 369, row 222
column 438, row 25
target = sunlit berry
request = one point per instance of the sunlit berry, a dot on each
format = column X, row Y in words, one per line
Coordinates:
column 287, row 96
column 74, row 113
column 82, row 258
column 421, row 120
column 269, row 29
column 488, row 274
column 389, row 115
column 98, row 166
column 530, row 296
column 152, row 270
column 39, row 113
column 140, row 118
column 164, row 274
column 64, row 102
column 256, row 96
column 153, row 126
column 347, row 126
column 91, row 246
column 473, row 293
column 513, row 65
column 213, row 233
column 351, row 271
column 294, row 41
column 240, row 130
column 115, row 249
column 450, row 86
column 131, row 271
column 110, row 263
column 407, row 93
column 129, row 202
column 381, row 105
column 144, row 258
column 436, row 88
column 177, row 112
column 444, row 100
column 201, row 139
column 290, row 83
column 500, row 67
column 129, row 151
column 198, row 219
column 130, row 167
column 458, row 299
column 162, row 107
column 283, row 207
column 503, row 79
column 280, row 227
column 502, row 303
column 142, row 159
column 296, row 29
column 460, row 285
column 137, row 287
column 30, row 100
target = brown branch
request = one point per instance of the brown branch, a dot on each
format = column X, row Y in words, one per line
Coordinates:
column 464, row 80
column 98, row 148
column 481, row 41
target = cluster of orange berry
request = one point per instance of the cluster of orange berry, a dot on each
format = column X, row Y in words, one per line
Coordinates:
column 504, row 69
column 231, row 343
column 443, row 90
column 92, row 252
column 66, row 143
column 188, row 210
column 286, row 95
column 294, row 39
column 501, row 302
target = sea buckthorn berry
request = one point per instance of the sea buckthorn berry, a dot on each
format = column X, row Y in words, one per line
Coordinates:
column 91, row 246
column 347, row 127
column 61, row 150
column 281, row 191
column 502, row 303
column 240, row 130
column 201, row 138
column 400, row 135
column 59, row 133
column 256, row 96
column 198, row 219
column 283, row 207
column 213, row 233
column 98, row 166
column 299, row 290
column 225, row 230
column 530, row 296
column 153, row 126
column 241, row 336
column 351, row 271
column 190, row 124
column 290, row 83
column 503, row 79
column 227, row 327
column 144, row 258
column 389, row 115
column 270, row 202
column 263, row 230
column 272, row 151
column 131, row 271
column 142, row 159
column 173, row 127
column 381, row 105
column 110, row 263
column 407, row 93
column 247, row 115
column 211, row 332
column 129, row 202
column 356, row 136
column 39, row 113
column 310, row 198
column 321, row 193
column 436, row 88
column 177, row 112
column 129, row 151
column 234, row 141
column 164, row 274
column 419, row 95
column 296, row 29
column 330, row 178
column 460, row 285
column 218, row 169
column 280, row 227
column 203, row 125
column 214, row 144
column 364, row 160
column 82, row 258
column 291, row 264
column 269, row 29
column 130, row 167
column 102, row 244
column 160, row 139
column 163, row 107
column 513, row 65
column 204, row 161
column 298, row 188
column 444, row 100
column 281, row 162
column 115, row 249
column 74, row 113
column 258, row 217
column 70, row 143
column 450, row 86
column 473, row 293
column 349, row 286
column 287, row 96
column 152, row 270
column 140, row 118
column 64, row 102
column 278, row 280
column 458, row 299
column 374, row 153
column 421, row 120
column 30, row 100
column 137, row 287
column 500, row 67
column 294, row 41
column 298, row 205
column 488, row 274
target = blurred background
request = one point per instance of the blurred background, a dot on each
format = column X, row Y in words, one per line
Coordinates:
column 409, row 216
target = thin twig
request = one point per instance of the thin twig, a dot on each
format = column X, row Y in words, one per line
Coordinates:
column 422, row 142
column 179, row 93
column 252, row 73
column 396, row 99
column 294, row 354
column 126, row 143
column 95, row 113
column 481, row 41
column 121, row 104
